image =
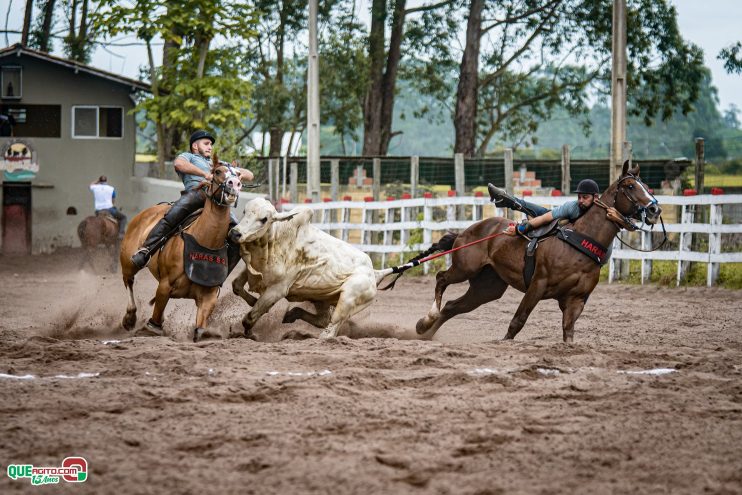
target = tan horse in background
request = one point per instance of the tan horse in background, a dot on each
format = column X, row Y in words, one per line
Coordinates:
column 167, row 264
column 95, row 230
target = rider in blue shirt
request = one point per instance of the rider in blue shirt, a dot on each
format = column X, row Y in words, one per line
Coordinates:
column 193, row 168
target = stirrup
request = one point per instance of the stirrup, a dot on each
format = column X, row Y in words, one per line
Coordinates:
column 141, row 257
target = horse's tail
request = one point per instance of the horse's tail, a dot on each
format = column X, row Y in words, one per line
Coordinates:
column 444, row 244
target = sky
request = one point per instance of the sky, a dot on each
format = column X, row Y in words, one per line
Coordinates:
column 711, row 24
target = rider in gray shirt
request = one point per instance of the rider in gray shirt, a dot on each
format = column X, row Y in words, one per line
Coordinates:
column 193, row 168
column 587, row 191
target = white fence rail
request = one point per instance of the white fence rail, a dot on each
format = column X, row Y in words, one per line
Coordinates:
column 387, row 227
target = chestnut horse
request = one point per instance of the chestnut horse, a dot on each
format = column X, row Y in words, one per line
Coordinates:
column 95, row 230
column 167, row 264
column 561, row 272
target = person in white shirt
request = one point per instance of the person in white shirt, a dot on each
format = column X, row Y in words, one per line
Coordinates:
column 104, row 195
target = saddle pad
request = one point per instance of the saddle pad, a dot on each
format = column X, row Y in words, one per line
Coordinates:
column 584, row 244
column 204, row 266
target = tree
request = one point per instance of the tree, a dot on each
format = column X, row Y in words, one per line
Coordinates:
column 77, row 43
column 41, row 35
column 383, row 68
column 732, row 57
column 27, row 15
column 196, row 85
column 536, row 56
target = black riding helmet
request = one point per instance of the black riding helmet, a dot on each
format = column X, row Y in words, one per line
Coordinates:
column 587, row 186
column 201, row 134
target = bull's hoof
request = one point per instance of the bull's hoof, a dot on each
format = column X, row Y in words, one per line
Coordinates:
column 198, row 333
column 251, row 336
column 290, row 316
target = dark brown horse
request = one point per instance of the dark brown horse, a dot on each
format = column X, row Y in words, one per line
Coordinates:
column 94, row 231
column 561, row 272
column 167, row 265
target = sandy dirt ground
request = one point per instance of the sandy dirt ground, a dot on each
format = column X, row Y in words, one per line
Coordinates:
column 374, row 410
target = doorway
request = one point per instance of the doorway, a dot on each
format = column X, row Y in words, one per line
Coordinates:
column 16, row 220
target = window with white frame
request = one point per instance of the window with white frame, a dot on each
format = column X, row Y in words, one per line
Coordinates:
column 10, row 82
column 97, row 122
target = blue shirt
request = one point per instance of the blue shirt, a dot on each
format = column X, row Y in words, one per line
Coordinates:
column 569, row 210
column 189, row 180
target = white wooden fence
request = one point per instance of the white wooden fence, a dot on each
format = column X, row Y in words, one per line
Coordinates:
column 353, row 221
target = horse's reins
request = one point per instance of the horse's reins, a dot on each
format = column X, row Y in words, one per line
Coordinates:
column 626, row 223
column 222, row 189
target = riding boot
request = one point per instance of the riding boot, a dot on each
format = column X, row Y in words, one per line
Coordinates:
column 160, row 233
column 502, row 199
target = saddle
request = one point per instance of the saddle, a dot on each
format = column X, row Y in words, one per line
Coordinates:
column 534, row 237
column 203, row 266
column 584, row 244
column 107, row 215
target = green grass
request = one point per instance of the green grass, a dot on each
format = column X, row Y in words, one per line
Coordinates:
column 727, row 180
column 664, row 273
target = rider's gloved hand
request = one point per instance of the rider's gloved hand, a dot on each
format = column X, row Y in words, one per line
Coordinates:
column 524, row 227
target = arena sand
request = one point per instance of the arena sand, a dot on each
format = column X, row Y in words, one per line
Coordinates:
column 648, row 399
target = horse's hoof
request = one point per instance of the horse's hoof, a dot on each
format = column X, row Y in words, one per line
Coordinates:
column 130, row 319
column 420, row 327
column 326, row 334
column 198, row 333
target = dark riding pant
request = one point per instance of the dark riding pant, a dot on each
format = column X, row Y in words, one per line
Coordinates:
column 537, row 210
column 120, row 218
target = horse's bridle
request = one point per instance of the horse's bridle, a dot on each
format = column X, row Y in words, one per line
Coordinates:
column 638, row 208
column 219, row 196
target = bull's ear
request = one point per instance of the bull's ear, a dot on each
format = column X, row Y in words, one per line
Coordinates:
column 282, row 217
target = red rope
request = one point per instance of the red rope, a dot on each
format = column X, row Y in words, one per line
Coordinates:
column 438, row 255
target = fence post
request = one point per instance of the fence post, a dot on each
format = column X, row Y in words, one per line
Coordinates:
column 334, row 179
column 277, row 180
column 427, row 233
column 334, row 186
column 460, row 181
column 271, row 166
column 566, row 177
column 388, row 234
column 508, row 157
column 414, row 174
column 687, row 214
column 715, row 217
column 700, row 164
column 646, row 269
column 293, row 182
column 345, row 220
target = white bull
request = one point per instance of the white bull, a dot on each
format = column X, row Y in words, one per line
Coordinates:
column 287, row 257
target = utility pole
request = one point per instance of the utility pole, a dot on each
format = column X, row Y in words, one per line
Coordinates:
column 618, row 89
column 313, row 166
